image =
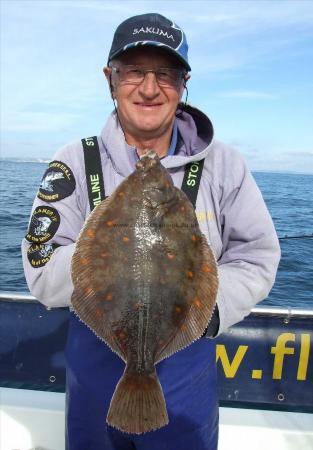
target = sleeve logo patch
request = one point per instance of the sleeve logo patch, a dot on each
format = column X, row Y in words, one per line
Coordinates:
column 58, row 182
column 39, row 254
column 43, row 224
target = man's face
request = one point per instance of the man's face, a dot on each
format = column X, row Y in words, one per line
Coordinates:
column 146, row 110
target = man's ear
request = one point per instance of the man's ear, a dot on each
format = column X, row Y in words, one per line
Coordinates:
column 184, row 85
column 186, row 78
column 108, row 75
column 107, row 72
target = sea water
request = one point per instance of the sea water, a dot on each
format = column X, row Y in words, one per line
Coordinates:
column 289, row 198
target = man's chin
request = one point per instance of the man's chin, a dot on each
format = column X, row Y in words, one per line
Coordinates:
column 149, row 129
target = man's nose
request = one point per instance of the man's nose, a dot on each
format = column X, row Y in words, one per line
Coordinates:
column 149, row 86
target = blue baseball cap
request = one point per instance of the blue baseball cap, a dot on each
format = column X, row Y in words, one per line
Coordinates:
column 150, row 29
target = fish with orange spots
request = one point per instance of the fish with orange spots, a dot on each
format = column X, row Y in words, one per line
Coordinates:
column 145, row 281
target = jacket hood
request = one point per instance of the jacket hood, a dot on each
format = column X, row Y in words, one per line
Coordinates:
column 195, row 134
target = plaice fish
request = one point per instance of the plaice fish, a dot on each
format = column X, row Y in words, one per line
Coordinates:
column 145, row 281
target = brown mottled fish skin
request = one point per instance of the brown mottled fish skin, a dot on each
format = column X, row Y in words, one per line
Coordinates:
column 145, row 281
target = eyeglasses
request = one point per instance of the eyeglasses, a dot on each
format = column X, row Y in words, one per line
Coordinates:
column 136, row 74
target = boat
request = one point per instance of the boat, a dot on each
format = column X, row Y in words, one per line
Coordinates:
column 265, row 373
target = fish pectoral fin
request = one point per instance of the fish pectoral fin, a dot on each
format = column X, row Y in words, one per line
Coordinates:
column 201, row 294
column 162, row 209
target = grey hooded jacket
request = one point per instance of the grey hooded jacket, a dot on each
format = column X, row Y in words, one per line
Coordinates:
column 230, row 210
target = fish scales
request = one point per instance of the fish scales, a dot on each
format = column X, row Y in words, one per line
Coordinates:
column 145, row 281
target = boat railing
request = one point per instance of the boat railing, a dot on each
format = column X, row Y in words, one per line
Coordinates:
column 264, row 361
column 288, row 312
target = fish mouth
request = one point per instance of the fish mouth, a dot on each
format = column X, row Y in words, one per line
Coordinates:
column 149, row 153
column 147, row 160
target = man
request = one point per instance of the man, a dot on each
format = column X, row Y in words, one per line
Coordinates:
column 147, row 73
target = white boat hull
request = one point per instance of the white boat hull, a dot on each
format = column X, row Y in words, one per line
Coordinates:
column 34, row 420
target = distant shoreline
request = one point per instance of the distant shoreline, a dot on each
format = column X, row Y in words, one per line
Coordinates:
column 47, row 160
column 25, row 160
column 287, row 172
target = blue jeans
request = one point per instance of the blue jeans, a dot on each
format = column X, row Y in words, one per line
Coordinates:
column 188, row 379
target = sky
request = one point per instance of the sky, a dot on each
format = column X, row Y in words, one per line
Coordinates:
column 252, row 73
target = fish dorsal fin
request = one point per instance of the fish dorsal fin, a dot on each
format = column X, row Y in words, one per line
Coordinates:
column 84, row 306
column 201, row 300
column 86, row 301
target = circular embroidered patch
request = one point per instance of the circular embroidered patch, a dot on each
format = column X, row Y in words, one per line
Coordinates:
column 58, row 182
column 43, row 224
column 39, row 254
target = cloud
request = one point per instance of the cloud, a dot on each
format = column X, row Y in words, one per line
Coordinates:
column 108, row 6
column 300, row 154
column 231, row 35
column 253, row 51
column 39, row 121
column 273, row 159
column 249, row 95
column 235, row 14
column 232, row 14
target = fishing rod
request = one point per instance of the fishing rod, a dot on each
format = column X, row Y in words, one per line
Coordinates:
column 302, row 236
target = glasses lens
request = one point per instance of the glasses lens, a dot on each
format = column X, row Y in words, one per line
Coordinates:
column 169, row 77
column 131, row 74
column 135, row 75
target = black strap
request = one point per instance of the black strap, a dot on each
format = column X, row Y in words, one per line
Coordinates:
column 94, row 176
column 191, row 181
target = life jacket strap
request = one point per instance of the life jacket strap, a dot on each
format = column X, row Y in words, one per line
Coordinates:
column 191, row 181
column 94, row 175
column 93, row 168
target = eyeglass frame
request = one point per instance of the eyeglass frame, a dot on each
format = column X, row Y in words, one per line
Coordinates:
column 184, row 74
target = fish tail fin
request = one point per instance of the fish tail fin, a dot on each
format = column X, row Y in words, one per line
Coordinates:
column 138, row 404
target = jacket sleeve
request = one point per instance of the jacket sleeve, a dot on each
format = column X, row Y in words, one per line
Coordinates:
column 251, row 253
column 47, row 249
